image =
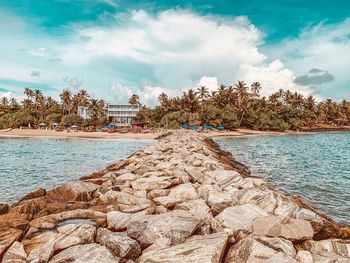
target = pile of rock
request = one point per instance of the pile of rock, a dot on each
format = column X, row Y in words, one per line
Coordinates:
column 179, row 200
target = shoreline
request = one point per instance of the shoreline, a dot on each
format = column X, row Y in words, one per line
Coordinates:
column 197, row 190
column 17, row 133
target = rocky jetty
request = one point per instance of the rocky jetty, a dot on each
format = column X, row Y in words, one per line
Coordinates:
column 181, row 199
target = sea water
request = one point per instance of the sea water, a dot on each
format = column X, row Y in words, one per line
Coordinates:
column 315, row 166
column 27, row 164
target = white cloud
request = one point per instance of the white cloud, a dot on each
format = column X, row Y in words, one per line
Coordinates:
column 171, row 51
column 324, row 46
column 211, row 83
column 119, row 93
column 181, row 47
column 7, row 94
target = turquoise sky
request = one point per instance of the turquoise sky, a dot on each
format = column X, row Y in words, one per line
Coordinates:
column 115, row 48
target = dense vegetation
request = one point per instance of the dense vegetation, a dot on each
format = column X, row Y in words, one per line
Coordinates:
column 242, row 106
column 37, row 108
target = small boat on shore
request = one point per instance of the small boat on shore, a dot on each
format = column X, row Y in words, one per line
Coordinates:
column 6, row 130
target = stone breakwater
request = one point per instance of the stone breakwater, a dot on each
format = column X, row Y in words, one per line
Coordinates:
column 181, row 199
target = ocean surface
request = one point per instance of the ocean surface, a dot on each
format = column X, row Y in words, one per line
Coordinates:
column 27, row 164
column 315, row 166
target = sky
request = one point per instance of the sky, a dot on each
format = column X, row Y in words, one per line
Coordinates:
column 116, row 48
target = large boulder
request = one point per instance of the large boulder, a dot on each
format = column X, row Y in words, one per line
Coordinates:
column 8, row 236
column 204, row 249
column 157, row 181
column 227, row 179
column 41, row 245
column 113, row 197
column 286, row 227
column 119, row 243
column 177, row 195
column 219, row 200
column 256, row 249
column 15, row 254
column 50, row 221
column 38, row 193
column 332, row 246
column 89, row 253
column 149, row 228
column 240, row 217
column 73, row 191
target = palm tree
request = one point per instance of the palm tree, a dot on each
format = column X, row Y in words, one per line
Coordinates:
column 241, row 90
column 190, row 100
column 96, row 109
column 203, row 93
column 29, row 93
column 134, row 101
column 255, row 87
column 66, row 99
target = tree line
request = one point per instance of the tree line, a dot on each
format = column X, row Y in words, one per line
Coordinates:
column 37, row 108
column 241, row 105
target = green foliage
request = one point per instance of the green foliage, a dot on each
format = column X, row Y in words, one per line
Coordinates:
column 54, row 118
column 17, row 119
column 71, row 119
column 229, row 119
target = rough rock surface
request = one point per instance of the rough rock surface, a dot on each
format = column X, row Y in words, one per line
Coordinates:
column 181, row 199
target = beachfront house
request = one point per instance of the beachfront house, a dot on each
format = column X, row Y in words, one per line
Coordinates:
column 121, row 114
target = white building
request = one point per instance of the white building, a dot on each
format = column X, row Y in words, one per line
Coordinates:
column 121, row 114
column 83, row 112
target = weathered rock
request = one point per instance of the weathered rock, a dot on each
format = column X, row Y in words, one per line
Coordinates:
column 154, row 182
column 292, row 210
column 126, row 177
column 119, row 243
column 218, row 201
column 333, row 246
column 113, row 197
column 4, row 209
column 31, row 206
column 157, row 193
column 52, row 220
column 264, row 198
column 15, row 254
column 40, row 245
column 119, row 221
column 197, row 208
column 149, row 228
column 73, row 191
column 304, row 256
column 202, row 249
column 227, row 179
column 177, row 195
column 8, row 236
column 38, row 193
column 89, row 253
column 255, row 249
column 289, row 228
column 240, row 217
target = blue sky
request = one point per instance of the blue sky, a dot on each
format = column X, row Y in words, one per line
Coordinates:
column 114, row 48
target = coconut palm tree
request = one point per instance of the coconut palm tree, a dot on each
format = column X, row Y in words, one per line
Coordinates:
column 134, row 101
column 202, row 93
column 255, row 88
column 66, row 100
column 96, row 109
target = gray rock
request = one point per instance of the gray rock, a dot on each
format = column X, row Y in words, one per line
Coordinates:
column 240, row 217
column 289, row 228
column 255, row 249
column 149, row 228
column 204, row 249
column 333, row 246
column 15, row 254
column 177, row 195
column 119, row 243
column 89, row 253
column 218, row 201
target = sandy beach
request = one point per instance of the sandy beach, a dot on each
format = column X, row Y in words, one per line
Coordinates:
column 104, row 135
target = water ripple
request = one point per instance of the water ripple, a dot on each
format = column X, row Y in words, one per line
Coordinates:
column 315, row 166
